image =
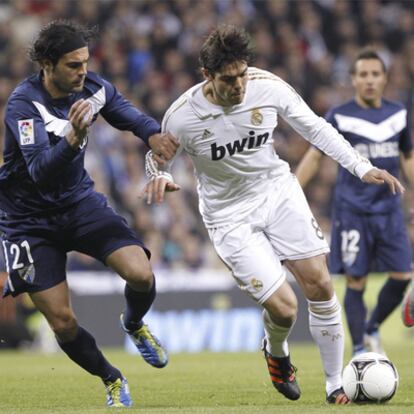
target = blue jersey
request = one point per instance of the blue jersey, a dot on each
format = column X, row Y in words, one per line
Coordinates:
column 41, row 172
column 379, row 134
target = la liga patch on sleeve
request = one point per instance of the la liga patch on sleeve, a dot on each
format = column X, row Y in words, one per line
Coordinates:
column 26, row 131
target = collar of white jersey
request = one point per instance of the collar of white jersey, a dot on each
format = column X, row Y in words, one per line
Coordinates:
column 203, row 108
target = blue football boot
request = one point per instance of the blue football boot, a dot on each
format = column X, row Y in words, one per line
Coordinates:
column 117, row 393
column 147, row 344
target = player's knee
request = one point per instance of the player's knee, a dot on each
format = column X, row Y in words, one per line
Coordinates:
column 314, row 278
column 356, row 283
column 282, row 310
column 289, row 314
column 323, row 313
column 139, row 277
column 319, row 287
column 64, row 325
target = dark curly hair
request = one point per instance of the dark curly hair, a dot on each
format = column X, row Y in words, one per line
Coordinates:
column 51, row 39
column 225, row 45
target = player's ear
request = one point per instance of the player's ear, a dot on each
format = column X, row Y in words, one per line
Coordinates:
column 46, row 65
column 206, row 73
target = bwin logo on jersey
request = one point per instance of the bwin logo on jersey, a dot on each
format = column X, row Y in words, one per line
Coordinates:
column 219, row 151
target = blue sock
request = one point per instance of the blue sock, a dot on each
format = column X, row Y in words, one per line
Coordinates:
column 137, row 305
column 84, row 351
column 356, row 313
column 389, row 297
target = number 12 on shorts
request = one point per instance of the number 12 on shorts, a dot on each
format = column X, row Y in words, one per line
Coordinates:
column 349, row 246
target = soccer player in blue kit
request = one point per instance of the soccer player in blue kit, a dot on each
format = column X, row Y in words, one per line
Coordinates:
column 49, row 206
column 368, row 228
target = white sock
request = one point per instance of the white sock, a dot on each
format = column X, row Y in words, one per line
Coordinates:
column 325, row 325
column 276, row 336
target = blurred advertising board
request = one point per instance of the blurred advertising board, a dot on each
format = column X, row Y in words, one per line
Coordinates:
column 194, row 311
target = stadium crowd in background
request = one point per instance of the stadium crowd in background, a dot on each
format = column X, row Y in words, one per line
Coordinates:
column 148, row 49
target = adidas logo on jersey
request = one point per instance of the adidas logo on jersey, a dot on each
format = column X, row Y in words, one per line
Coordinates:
column 219, row 151
column 206, row 134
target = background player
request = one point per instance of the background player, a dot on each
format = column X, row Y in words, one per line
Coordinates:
column 253, row 207
column 49, row 206
column 368, row 228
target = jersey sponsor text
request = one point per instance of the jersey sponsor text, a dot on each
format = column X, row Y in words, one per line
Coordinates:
column 219, row 151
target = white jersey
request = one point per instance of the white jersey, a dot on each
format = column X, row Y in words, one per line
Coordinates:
column 232, row 147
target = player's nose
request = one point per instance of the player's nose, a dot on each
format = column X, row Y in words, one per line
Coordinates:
column 238, row 84
column 83, row 69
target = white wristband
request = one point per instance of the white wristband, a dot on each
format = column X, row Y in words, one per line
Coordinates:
column 362, row 168
column 152, row 171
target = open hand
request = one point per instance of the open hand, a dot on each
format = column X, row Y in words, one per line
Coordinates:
column 155, row 189
column 377, row 176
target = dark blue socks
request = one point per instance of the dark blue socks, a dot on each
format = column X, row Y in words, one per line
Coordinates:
column 137, row 305
column 356, row 313
column 84, row 351
column 389, row 297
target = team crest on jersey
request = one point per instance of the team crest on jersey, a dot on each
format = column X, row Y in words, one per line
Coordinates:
column 256, row 284
column 256, row 117
column 28, row 273
column 26, row 132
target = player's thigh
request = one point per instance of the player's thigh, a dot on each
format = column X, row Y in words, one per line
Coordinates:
column 393, row 248
column 291, row 228
column 98, row 231
column 352, row 244
column 33, row 263
column 251, row 259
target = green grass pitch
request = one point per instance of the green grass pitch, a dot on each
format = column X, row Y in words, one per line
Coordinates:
column 192, row 383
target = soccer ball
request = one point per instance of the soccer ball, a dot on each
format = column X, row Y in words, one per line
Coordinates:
column 370, row 377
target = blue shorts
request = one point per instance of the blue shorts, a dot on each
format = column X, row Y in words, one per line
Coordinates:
column 361, row 243
column 35, row 247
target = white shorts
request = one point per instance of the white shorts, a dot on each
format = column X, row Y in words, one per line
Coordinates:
column 282, row 228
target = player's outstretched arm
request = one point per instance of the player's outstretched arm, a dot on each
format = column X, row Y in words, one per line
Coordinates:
column 160, row 182
column 308, row 166
column 163, row 146
column 377, row 176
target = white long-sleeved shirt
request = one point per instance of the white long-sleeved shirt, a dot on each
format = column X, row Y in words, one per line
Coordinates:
column 232, row 147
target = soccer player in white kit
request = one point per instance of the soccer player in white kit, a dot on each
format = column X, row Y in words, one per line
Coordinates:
column 252, row 205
